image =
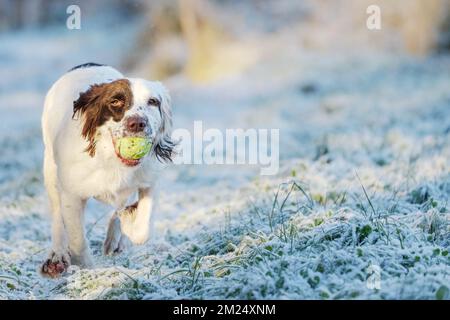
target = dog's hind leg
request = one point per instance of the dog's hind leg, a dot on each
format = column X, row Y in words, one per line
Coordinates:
column 132, row 225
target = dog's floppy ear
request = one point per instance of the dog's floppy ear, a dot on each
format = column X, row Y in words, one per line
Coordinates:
column 89, row 106
column 93, row 106
column 164, row 147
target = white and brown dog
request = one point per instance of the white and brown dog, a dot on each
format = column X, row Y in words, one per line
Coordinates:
column 85, row 112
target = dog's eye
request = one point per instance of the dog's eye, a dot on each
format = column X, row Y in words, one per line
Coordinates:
column 116, row 103
column 154, row 102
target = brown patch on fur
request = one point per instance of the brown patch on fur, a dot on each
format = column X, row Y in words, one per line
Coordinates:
column 100, row 103
column 132, row 206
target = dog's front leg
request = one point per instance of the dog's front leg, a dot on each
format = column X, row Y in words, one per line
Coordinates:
column 72, row 208
column 59, row 259
column 69, row 243
column 130, row 225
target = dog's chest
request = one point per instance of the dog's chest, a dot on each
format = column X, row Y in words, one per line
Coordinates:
column 117, row 199
column 107, row 184
column 115, row 187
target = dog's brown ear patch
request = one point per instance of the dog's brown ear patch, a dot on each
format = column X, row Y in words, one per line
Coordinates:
column 100, row 103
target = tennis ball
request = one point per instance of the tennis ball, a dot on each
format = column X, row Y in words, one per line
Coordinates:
column 133, row 148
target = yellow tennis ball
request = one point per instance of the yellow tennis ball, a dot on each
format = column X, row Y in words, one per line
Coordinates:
column 133, row 148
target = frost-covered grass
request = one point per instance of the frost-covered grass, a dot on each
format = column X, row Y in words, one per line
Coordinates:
column 364, row 181
column 286, row 241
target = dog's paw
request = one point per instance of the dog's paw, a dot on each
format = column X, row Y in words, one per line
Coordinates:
column 113, row 248
column 112, row 237
column 57, row 263
column 115, row 241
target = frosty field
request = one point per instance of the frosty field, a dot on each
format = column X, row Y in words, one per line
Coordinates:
column 364, row 182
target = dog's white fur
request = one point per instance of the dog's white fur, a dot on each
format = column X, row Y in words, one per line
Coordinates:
column 72, row 176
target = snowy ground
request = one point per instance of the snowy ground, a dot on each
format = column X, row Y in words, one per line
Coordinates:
column 364, row 181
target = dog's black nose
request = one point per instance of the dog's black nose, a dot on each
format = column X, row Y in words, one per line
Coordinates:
column 136, row 124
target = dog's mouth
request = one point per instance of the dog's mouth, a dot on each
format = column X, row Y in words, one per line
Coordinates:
column 127, row 162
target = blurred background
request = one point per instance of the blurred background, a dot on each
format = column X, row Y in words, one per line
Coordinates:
column 345, row 98
column 205, row 47
column 209, row 39
column 230, row 63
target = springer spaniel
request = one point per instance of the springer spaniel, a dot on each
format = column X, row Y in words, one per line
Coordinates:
column 85, row 112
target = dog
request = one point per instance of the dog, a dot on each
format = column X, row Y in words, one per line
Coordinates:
column 85, row 112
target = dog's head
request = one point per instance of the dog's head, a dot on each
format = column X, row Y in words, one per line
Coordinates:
column 126, row 108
